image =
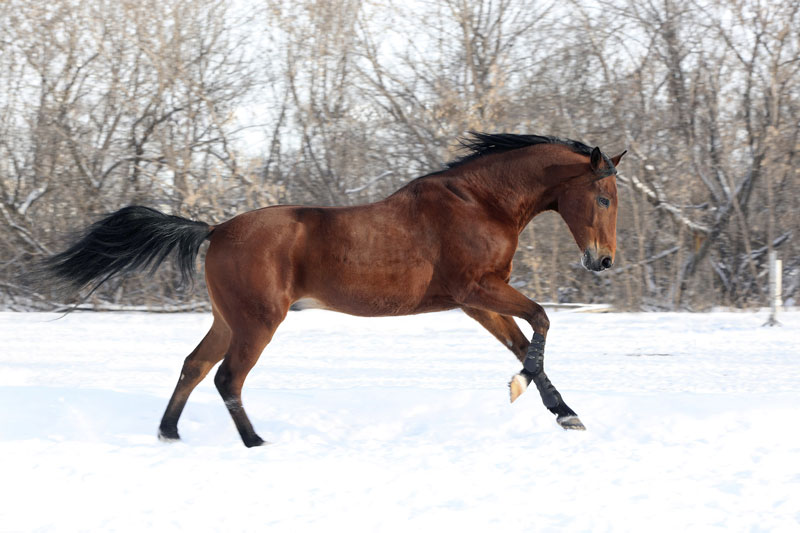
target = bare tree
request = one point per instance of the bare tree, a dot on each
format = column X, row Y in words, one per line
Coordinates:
column 107, row 103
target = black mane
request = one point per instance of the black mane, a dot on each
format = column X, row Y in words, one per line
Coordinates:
column 480, row 144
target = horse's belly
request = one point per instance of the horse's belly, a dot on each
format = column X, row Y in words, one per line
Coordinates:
column 398, row 290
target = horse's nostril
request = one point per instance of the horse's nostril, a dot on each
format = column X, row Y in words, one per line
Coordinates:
column 606, row 262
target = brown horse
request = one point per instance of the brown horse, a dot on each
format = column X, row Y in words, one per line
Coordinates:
column 443, row 241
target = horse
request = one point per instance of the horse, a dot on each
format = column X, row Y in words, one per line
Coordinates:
column 445, row 240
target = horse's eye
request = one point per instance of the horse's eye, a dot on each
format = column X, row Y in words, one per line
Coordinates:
column 603, row 201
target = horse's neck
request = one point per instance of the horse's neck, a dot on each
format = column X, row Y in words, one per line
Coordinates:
column 519, row 193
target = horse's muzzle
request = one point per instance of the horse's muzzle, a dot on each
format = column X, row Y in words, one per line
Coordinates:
column 596, row 263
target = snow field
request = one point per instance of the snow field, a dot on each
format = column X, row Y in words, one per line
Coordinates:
column 403, row 424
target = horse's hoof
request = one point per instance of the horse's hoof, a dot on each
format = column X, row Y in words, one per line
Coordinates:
column 517, row 386
column 168, row 436
column 570, row 422
column 255, row 441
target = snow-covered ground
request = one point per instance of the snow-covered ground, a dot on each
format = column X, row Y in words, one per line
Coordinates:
column 403, row 424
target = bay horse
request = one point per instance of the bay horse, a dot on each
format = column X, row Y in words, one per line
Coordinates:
column 445, row 240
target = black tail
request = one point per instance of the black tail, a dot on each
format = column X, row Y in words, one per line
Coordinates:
column 133, row 238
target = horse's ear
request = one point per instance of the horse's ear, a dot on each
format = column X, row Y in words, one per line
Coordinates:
column 617, row 158
column 596, row 159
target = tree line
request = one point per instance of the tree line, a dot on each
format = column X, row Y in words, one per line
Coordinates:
column 206, row 109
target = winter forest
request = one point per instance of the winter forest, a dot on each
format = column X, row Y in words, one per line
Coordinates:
column 210, row 108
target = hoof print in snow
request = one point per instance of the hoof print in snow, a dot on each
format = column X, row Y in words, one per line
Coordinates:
column 570, row 422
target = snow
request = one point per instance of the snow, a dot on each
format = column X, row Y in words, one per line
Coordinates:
column 403, row 424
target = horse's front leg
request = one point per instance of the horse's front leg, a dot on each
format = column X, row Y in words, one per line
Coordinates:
column 492, row 293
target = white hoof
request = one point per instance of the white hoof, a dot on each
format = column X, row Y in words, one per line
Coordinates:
column 518, row 385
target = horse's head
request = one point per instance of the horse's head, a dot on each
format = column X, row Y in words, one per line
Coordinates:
column 588, row 204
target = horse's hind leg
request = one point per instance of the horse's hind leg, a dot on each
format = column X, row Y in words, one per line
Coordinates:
column 248, row 341
column 196, row 366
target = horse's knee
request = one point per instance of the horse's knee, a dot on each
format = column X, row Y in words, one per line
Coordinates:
column 542, row 322
column 537, row 318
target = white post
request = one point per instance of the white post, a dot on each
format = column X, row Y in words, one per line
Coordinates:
column 775, row 289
